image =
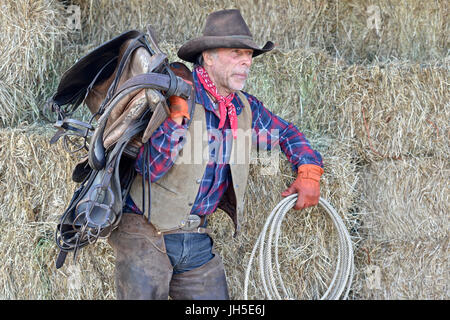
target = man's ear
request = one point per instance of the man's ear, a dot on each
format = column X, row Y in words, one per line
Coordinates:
column 208, row 57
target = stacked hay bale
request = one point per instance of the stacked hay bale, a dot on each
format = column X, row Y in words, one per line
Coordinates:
column 406, row 229
column 396, row 110
column 43, row 37
column 285, row 80
column 414, row 30
column 382, row 130
column 308, row 243
column 397, row 114
column 31, row 33
column 381, row 30
column 380, row 120
column 35, row 188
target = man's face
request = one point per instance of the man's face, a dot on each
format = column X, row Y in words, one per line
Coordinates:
column 228, row 68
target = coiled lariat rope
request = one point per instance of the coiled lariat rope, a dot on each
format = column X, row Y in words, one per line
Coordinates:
column 342, row 278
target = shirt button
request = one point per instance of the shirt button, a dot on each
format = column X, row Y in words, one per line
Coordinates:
column 199, row 180
column 190, row 204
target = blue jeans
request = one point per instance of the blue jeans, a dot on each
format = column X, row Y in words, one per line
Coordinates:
column 187, row 251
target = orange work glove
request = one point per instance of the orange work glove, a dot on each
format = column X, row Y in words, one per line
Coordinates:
column 307, row 186
column 178, row 107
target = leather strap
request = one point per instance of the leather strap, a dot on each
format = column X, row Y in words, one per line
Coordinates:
column 159, row 81
column 197, row 230
column 150, row 80
column 172, row 84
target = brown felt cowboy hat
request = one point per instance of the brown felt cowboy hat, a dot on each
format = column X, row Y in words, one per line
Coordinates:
column 223, row 29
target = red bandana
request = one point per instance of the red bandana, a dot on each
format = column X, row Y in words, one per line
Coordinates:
column 225, row 105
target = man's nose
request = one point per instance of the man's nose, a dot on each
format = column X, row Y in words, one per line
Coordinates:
column 247, row 61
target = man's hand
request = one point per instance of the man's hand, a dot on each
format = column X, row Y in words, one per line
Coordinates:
column 307, row 186
column 178, row 106
column 178, row 109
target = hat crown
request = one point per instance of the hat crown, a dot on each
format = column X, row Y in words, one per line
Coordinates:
column 226, row 23
column 223, row 29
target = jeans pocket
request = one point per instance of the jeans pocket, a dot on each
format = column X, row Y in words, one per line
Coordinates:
column 202, row 250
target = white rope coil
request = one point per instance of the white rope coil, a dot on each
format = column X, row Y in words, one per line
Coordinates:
column 342, row 278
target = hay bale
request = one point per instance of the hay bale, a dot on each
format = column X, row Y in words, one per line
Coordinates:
column 406, row 200
column 404, row 206
column 392, row 110
column 389, row 110
column 15, row 103
column 35, row 188
column 178, row 21
column 287, row 82
column 31, row 33
column 40, row 43
column 404, row 270
column 28, row 266
column 383, row 30
column 339, row 27
column 398, row 110
column 31, row 163
column 308, row 243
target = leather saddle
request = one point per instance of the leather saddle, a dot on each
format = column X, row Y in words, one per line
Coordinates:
column 125, row 83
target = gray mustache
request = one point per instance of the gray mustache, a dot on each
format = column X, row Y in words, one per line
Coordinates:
column 246, row 72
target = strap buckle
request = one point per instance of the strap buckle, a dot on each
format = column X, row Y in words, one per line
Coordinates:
column 192, row 222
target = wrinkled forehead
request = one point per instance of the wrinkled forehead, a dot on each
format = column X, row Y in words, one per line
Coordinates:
column 240, row 50
column 227, row 53
column 230, row 52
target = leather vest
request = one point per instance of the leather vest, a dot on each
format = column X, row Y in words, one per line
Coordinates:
column 173, row 196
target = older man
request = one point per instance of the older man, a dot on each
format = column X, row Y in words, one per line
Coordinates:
column 164, row 249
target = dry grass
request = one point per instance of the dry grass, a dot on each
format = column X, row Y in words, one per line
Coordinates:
column 31, row 33
column 407, row 199
column 35, row 187
column 413, row 29
column 361, row 117
column 398, row 110
column 388, row 110
column 408, row 270
column 39, row 44
column 308, row 245
column 404, row 206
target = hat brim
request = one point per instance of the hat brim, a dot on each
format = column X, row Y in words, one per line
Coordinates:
column 191, row 49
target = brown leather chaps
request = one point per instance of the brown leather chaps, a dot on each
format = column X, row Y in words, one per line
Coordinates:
column 143, row 270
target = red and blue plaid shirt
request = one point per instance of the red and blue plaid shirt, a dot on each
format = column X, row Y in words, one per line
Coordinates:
column 217, row 175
